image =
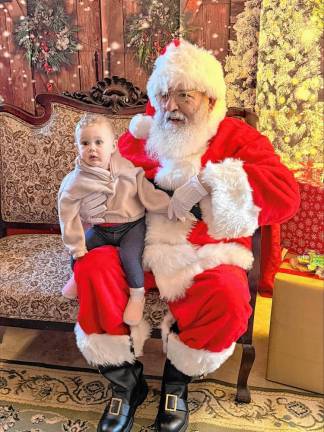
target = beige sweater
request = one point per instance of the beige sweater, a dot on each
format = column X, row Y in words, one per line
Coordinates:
column 128, row 192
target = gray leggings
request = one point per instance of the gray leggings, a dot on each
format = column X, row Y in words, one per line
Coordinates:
column 130, row 239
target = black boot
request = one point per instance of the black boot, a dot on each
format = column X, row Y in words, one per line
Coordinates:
column 129, row 390
column 173, row 415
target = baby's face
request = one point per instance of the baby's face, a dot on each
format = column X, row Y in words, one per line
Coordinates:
column 96, row 144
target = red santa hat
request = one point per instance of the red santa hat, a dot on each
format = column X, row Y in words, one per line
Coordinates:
column 182, row 64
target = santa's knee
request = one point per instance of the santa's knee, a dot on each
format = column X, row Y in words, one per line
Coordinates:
column 228, row 292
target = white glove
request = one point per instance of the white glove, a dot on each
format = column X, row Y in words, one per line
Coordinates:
column 184, row 198
column 92, row 206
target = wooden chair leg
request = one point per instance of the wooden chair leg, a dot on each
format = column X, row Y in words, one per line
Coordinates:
column 243, row 392
column 2, row 332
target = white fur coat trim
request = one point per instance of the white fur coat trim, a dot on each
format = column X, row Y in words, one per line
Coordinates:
column 160, row 229
column 175, row 266
column 232, row 213
column 105, row 349
column 194, row 362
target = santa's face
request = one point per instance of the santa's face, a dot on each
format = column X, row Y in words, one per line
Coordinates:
column 179, row 125
column 181, row 106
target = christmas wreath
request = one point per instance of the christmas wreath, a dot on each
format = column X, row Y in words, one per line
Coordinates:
column 47, row 36
column 150, row 31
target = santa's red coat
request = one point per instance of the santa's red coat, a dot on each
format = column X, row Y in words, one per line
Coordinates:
column 200, row 269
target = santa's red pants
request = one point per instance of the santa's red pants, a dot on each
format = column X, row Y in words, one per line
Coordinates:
column 210, row 318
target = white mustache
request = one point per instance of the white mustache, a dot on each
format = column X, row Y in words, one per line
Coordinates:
column 175, row 116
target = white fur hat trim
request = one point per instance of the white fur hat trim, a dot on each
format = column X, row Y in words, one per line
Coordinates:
column 190, row 67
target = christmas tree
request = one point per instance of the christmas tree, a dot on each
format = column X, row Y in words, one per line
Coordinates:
column 241, row 64
column 288, row 78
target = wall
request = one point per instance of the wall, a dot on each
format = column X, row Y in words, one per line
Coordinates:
column 104, row 52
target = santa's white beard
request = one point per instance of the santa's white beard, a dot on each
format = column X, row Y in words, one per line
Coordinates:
column 176, row 141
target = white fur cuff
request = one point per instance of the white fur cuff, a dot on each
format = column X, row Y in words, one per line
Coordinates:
column 194, row 362
column 232, row 212
column 105, row 349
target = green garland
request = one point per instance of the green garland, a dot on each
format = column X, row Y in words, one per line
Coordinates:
column 149, row 32
column 47, row 36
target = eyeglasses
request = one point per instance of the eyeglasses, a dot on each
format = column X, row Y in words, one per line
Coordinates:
column 180, row 97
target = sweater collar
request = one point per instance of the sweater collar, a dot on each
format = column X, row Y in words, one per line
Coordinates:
column 116, row 163
column 82, row 166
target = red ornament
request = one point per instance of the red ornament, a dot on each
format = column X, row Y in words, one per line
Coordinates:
column 49, row 87
column 47, row 68
column 44, row 46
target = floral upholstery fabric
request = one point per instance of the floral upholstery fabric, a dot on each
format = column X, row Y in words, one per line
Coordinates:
column 33, row 270
column 34, row 161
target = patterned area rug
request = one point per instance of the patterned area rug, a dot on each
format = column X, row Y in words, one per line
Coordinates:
column 39, row 398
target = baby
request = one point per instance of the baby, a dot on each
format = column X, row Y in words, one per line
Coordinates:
column 99, row 168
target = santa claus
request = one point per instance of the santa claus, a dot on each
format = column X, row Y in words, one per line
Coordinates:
column 226, row 176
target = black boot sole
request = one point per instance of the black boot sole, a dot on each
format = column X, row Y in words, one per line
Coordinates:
column 183, row 429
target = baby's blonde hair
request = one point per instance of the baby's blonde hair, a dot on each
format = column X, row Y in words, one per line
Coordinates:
column 90, row 119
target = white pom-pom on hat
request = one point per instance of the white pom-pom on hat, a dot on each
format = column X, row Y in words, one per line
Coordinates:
column 140, row 126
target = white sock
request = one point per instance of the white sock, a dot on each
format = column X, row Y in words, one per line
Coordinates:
column 137, row 293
